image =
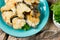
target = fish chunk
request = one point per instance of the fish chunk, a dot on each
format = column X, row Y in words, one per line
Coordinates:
column 32, row 21
column 22, row 8
column 18, row 23
column 7, row 15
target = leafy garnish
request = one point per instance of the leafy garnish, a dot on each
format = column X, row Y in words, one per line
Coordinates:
column 56, row 10
column 26, row 27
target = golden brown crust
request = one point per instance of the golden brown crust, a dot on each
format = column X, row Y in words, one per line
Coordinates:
column 22, row 8
column 7, row 15
column 18, row 23
column 32, row 21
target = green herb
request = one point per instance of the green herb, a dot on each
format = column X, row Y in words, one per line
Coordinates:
column 26, row 27
column 56, row 10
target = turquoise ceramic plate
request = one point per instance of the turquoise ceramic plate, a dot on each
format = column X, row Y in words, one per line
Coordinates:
column 43, row 7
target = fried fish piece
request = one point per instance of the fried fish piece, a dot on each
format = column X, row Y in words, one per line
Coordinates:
column 32, row 21
column 18, row 23
column 7, row 15
column 22, row 8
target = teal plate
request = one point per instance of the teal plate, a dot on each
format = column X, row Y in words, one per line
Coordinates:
column 43, row 8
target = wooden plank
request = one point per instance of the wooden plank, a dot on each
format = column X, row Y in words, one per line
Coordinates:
column 51, row 31
column 27, row 38
column 56, row 36
column 11, row 38
column 2, row 35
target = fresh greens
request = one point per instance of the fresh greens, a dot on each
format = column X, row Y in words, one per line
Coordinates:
column 26, row 27
column 56, row 10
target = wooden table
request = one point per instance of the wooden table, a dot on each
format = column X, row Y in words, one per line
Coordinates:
column 49, row 32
